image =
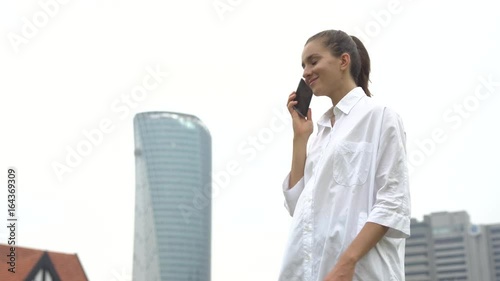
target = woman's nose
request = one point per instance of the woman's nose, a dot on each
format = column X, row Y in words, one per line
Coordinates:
column 307, row 72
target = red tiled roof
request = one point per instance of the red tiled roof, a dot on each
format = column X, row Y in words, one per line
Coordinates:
column 26, row 259
column 67, row 266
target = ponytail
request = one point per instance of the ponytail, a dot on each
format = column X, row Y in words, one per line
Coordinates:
column 364, row 73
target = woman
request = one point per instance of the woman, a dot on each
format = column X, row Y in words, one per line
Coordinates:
column 348, row 195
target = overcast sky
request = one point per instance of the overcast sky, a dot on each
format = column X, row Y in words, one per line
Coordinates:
column 70, row 68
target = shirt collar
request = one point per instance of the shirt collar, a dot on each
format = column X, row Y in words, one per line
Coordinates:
column 343, row 106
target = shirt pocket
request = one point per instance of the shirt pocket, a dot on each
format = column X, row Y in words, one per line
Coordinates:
column 351, row 162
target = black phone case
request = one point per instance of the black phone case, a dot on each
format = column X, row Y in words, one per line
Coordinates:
column 303, row 96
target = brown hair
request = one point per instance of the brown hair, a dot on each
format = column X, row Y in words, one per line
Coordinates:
column 339, row 42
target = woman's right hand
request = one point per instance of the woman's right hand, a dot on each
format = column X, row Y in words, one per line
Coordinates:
column 302, row 127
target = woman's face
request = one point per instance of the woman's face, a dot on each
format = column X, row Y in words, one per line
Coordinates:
column 322, row 71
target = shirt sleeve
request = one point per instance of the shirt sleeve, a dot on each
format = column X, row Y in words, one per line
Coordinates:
column 391, row 206
column 292, row 194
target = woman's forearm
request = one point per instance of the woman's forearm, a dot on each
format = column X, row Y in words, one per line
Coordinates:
column 298, row 160
column 366, row 239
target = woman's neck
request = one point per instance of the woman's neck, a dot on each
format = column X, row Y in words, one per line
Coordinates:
column 342, row 91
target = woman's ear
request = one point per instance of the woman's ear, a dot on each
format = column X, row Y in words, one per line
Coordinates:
column 345, row 60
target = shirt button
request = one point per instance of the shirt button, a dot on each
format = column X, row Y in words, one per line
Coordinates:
column 307, row 228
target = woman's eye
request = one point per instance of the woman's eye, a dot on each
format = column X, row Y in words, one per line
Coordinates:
column 314, row 62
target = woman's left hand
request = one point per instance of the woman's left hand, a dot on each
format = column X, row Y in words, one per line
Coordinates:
column 343, row 271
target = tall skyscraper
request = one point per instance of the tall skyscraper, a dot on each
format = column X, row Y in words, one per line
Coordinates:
column 172, row 240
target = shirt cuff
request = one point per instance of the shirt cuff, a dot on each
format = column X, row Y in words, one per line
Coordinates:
column 292, row 194
column 399, row 225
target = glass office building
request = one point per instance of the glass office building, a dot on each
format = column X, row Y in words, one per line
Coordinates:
column 172, row 240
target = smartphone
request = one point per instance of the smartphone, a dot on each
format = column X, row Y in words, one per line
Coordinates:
column 303, row 95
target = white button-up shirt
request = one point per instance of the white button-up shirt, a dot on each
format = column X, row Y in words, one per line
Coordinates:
column 355, row 172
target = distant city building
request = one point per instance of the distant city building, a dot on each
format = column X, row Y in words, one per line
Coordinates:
column 172, row 204
column 448, row 247
column 39, row 265
column 493, row 234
